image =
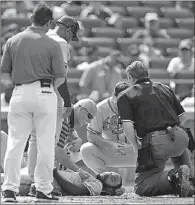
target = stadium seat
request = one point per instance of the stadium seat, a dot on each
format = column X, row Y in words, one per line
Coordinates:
column 73, row 10
column 140, row 12
column 129, row 22
column 73, row 73
column 124, row 3
column 172, row 12
column 91, row 23
column 104, row 51
column 181, row 33
column 108, row 32
column 131, row 31
column 159, row 62
column 159, row 75
column 162, row 43
column 185, row 23
column 158, row 4
column 164, row 22
column 172, row 52
column 102, row 41
column 123, row 43
column 79, row 59
column 22, row 22
column 118, row 9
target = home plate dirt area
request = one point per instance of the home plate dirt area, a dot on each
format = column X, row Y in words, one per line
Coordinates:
column 127, row 198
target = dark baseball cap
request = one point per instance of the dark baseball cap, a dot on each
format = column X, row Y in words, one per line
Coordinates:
column 137, row 70
column 42, row 13
column 72, row 23
column 120, row 86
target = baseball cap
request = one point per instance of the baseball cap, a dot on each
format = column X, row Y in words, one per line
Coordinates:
column 185, row 44
column 120, row 86
column 137, row 70
column 89, row 105
column 72, row 23
column 42, row 13
column 151, row 17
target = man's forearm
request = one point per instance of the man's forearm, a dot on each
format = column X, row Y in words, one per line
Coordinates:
column 64, row 159
column 66, row 94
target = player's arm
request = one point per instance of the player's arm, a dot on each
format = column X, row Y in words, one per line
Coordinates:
column 66, row 93
column 126, row 115
column 6, row 67
column 94, row 131
column 57, row 65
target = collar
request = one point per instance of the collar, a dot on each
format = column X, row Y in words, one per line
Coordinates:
column 35, row 29
column 143, row 80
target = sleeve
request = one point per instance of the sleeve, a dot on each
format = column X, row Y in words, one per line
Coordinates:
column 66, row 94
column 93, row 185
column 65, row 54
column 172, row 67
column 176, row 104
column 6, row 61
column 125, row 109
column 96, row 125
column 57, row 61
column 86, row 78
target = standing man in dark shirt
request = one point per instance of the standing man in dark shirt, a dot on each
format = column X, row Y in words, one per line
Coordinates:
column 33, row 63
column 152, row 116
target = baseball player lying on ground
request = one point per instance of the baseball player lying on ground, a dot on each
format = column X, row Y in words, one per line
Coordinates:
column 74, row 181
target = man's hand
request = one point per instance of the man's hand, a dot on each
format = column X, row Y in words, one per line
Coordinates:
column 67, row 111
column 125, row 149
column 119, row 191
column 76, row 145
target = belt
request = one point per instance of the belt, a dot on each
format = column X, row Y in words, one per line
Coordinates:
column 44, row 82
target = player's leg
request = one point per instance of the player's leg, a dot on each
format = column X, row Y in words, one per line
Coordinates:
column 32, row 155
column 95, row 159
column 20, row 125
column 45, row 125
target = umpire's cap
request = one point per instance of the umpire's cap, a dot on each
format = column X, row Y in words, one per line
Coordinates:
column 72, row 23
column 120, row 86
column 137, row 70
column 42, row 14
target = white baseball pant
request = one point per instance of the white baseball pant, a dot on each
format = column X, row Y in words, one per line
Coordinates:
column 31, row 105
column 32, row 149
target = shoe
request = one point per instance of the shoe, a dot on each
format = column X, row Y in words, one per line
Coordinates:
column 40, row 196
column 9, row 196
column 183, row 181
column 32, row 191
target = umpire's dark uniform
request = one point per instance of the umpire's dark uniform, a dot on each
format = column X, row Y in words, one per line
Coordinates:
column 158, row 127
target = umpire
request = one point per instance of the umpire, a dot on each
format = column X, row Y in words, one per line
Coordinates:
column 153, row 110
column 34, row 64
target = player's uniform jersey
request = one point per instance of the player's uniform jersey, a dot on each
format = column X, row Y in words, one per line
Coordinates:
column 107, row 122
column 64, row 46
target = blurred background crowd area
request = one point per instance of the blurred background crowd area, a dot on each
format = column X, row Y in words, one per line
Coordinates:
column 159, row 33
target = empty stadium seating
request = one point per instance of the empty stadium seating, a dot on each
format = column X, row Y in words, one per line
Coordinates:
column 185, row 23
column 129, row 22
column 125, row 3
column 91, row 23
column 140, row 12
column 172, row 12
column 108, row 32
column 73, row 10
column 158, row 4
column 180, row 33
column 166, row 43
column 159, row 62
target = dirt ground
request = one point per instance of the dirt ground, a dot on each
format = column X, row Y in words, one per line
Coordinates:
column 127, row 198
